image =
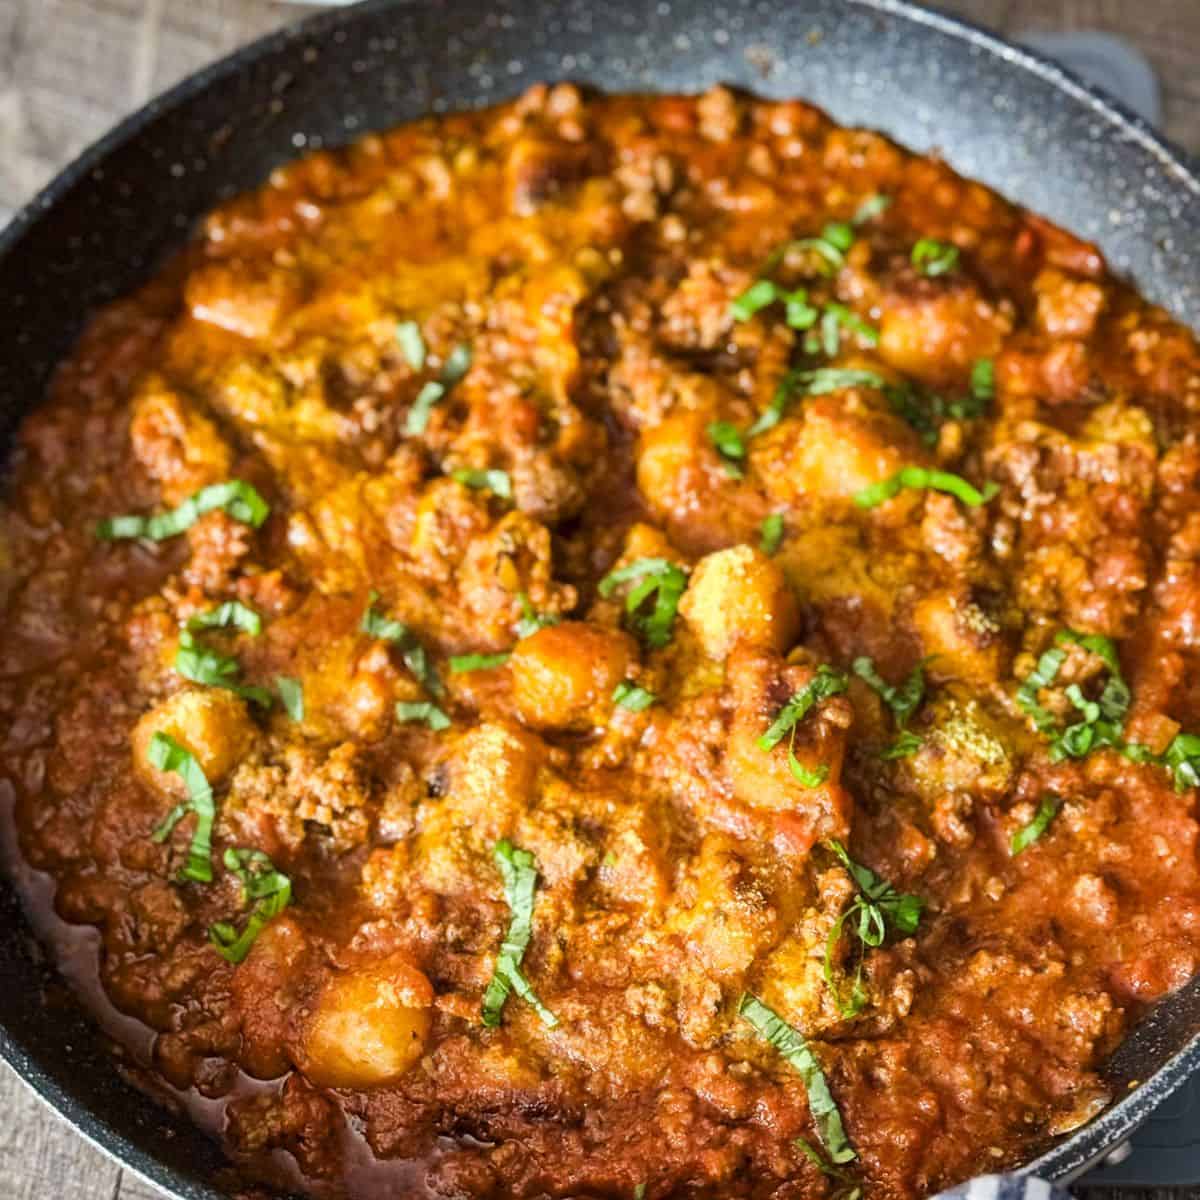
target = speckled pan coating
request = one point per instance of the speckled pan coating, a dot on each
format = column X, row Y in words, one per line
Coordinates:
column 996, row 112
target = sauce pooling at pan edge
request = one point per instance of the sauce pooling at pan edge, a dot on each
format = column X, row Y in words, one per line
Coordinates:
column 619, row 646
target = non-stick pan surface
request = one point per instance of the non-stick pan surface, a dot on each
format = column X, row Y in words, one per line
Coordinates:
column 996, row 112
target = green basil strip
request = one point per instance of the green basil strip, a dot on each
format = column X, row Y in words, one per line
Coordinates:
column 730, row 445
column 291, row 692
column 416, row 659
column 825, row 683
column 759, row 295
column 532, row 620
column 921, row 479
column 457, row 364
column 269, row 890
column 983, row 380
column 871, row 208
column 652, row 577
column 903, row 699
column 518, row 869
column 629, row 695
column 412, row 344
column 493, row 481
column 422, row 710
column 166, row 754
column 1028, row 834
column 933, row 258
column 234, row 497
column 771, row 534
column 478, row 662
column 820, row 381
column 233, row 614
column 794, row 1048
column 204, row 665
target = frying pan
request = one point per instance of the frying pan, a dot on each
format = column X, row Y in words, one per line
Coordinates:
column 996, row 112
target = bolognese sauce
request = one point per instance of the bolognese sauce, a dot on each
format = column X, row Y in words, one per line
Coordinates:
column 618, row 646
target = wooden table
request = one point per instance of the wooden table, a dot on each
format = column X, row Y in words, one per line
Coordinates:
column 70, row 68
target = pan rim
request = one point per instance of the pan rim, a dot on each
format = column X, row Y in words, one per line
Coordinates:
column 1064, row 1161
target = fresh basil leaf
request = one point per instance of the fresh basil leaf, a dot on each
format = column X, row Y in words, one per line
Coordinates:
column 629, row 695
column 820, row 381
column 231, row 614
column 166, row 754
column 933, row 258
column 269, row 890
column 825, row 683
column 291, row 693
column 422, row 710
column 794, row 1048
column 870, row 208
column 759, row 295
column 378, row 625
column 494, row 481
column 204, row 665
column 652, row 577
column 771, row 534
column 902, row 700
column 518, row 870
column 922, row 478
column 235, row 498
column 478, row 662
column 1028, row 834
column 412, row 344
column 906, row 744
column 983, row 380
column 729, row 444
column 532, row 620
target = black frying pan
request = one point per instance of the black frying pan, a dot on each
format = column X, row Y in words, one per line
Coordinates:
column 998, row 113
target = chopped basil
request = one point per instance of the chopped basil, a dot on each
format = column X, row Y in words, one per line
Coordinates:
column 1042, row 676
column 166, row 754
column 772, row 533
column 831, row 245
column 519, row 872
column 378, row 625
column 906, row 744
column 291, row 692
column 234, row 497
column 924, row 478
column 652, row 577
column 806, row 777
column 478, row 662
column 1182, row 759
column 835, row 318
column 231, row 614
column 639, row 1192
column 631, row 696
column 983, row 380
column 494, row 481
column 903, row 699
column 762, row 293
column 870, row 208
column 825, row 683
column 794, row 1048
column 730, row 445
column 457, row 363
column 818, row 382
column 532, row 620
column 877, row 907
column 852, row 1191
column 422, row 710
column 267, row 888
column 1028, row 834
column 933, row 258
column 412, row 344
column 204, row 665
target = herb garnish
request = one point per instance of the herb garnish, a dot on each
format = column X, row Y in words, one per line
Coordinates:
column 933, row 258
column 493, row 481
column 519, row 871
column 629, row 695
column 412, row 344
column 532, row 620
column 234, row 497
column 835, row 318
column 166, row 754
column 830, row 245
column 983, row 380
column 870, row 208
column 204, row 665
column 378, row 625
column 656, row 577
column 772, row 534
column 903, row 699
column 923, row 478
column 1028, row 834
column 853, row 1190
column 762, row 293
column 825, row 683
column 268, row 888
column 457, row 363
column 730, row 445
column 793, row 1046
column 877, row 906
column 818, row 382
column 291, row 692
column 422, row 710
column 232, row 614
column 460, row 663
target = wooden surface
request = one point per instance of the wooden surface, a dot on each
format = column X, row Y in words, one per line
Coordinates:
column 70, row 68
